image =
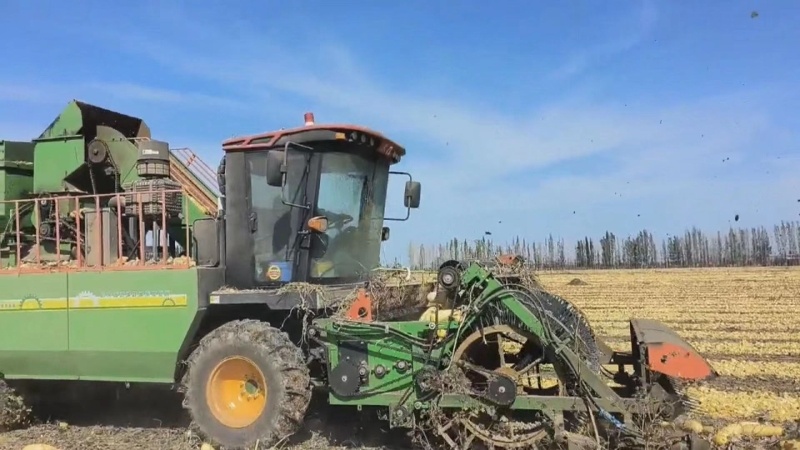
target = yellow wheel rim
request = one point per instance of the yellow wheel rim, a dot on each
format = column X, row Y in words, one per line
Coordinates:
column 237, row 392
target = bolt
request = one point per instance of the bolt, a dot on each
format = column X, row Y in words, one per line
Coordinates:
column 501, row 389
column 344, row 378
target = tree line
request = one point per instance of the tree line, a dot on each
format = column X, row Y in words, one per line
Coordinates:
column 757, row 246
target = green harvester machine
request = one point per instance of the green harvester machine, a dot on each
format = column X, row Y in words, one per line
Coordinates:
column 124, row 261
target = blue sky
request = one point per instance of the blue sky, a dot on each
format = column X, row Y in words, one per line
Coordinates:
column 550, row 118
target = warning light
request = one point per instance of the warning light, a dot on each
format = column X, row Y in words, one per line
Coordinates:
column 309, row 118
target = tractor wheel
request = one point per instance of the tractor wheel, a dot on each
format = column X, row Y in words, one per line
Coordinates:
column 14, row 413
column 247, row 384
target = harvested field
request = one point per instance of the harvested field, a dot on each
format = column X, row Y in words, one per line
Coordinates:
column 747, row 321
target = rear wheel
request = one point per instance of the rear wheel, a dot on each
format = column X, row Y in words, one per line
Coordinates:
column 247, row 384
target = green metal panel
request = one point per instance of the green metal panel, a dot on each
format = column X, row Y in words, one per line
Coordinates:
column 60, row 149
column 195, row 213
column 16, row 174
column 129, row 325
column 33, row 326
column 16, row 168
column 115, row 326
column 55, row 160
column 123, row 152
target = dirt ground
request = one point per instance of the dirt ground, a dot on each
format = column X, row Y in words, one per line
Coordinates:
column 154, row 420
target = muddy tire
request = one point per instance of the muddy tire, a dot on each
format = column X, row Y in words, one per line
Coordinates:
column 14, row 413
column 246, row 384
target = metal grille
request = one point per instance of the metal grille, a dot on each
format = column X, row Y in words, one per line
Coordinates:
column 152, row 198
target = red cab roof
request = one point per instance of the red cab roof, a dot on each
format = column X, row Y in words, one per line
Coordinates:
column 384, row 145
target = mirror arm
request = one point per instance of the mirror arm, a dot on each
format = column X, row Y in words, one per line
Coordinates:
column 408, row 214
column 408, row 209
column 285, row 173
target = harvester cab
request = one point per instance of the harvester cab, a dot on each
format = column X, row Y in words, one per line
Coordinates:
column 307, row 204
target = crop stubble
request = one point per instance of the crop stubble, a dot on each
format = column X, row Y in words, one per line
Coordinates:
column 745, row 320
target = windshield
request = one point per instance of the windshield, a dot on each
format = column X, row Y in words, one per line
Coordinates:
column 352, row 195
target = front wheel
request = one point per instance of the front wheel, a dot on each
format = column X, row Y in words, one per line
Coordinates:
column 247, row 384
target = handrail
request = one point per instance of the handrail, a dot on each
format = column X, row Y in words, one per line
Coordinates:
column 200, row 183
column 198, row 168
column 74, row 239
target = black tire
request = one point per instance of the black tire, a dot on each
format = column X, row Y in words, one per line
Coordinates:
column 14, row 412
column 285, row 374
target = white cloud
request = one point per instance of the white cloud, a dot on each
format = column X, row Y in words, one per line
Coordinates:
column 21, row 93
column 580, row 61
column 45, row 91
column 138, row 92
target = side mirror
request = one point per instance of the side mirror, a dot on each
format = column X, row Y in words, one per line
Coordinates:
column 412, row 194
column 384, row 234
column 275, row 168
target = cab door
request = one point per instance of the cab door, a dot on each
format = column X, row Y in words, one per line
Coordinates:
column 275, row 220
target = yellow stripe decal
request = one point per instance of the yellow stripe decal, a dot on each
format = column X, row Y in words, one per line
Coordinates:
column 38, row 304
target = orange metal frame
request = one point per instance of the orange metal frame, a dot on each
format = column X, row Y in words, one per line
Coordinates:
column 678, row 361
column 79, row 264
column 361, row 308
